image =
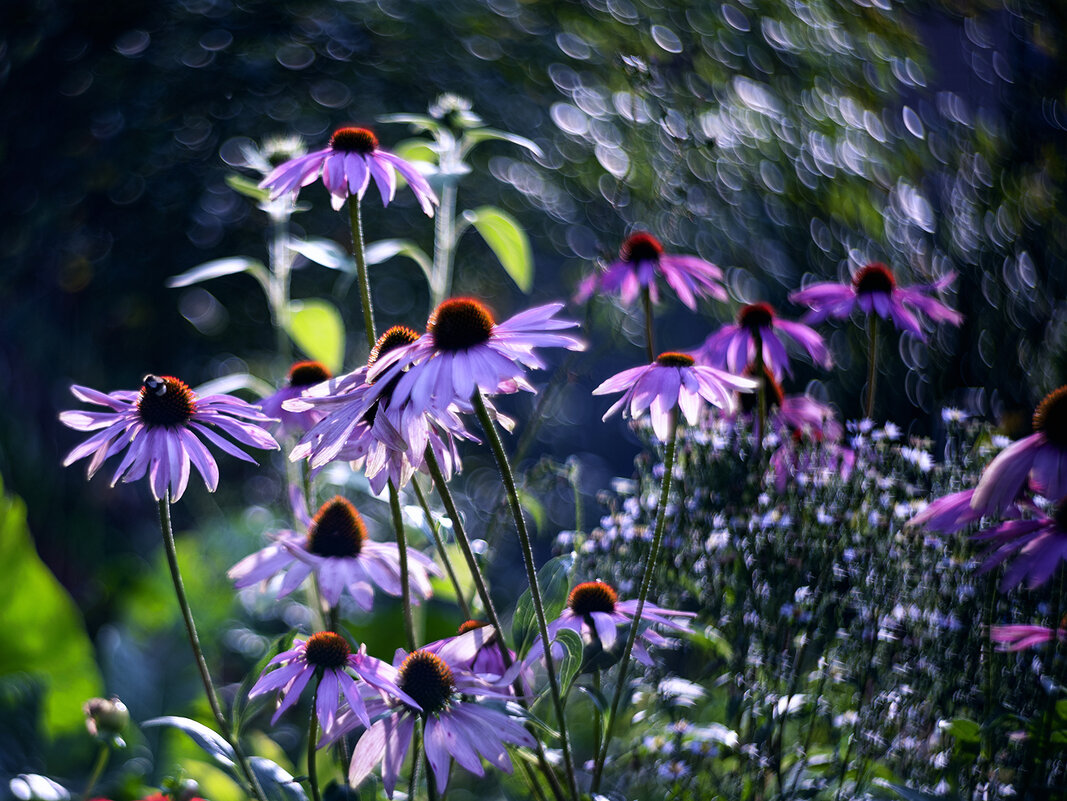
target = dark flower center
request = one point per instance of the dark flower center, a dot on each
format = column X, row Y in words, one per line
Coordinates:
column 428, row 680
column 396, row 337
column 165, row 401
column 875, row 277
column 354, row 140
column 592, row 596
column 337, row 530
column 304, row 374
column 641, row 247
column 460, row 323
column 756, row 315
column 471, row 625
column 672, row 359
column 771, row 388
column 1050, row 417
column 327, row 650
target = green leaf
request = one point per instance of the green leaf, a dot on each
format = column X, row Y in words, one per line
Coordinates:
column 385, row 249
column 964, row 729
column 247, row 187
column 209, row 740
column 477, row 135
column 571, row 663
column 277, row 783
column 507, row 240
column 46, row 634
column 554, row 580
column 325, row 252
column 217, row 269
column 909, row 794
column 415, row 150
column 318, row 330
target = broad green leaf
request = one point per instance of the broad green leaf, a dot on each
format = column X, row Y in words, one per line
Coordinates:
column 963, row 729
column 217, row 269
column 385, row 249
column 507, row 240
column 554, row 581
column 318, row 330
column 46, row 635
column 420, row 122
column 477, row 135
column 247, row 187
column 277, row 783
column 213, row 743
column 571, row 661
column 325, row 252
column 533, row 507
column 228, row 384
column 415, row 150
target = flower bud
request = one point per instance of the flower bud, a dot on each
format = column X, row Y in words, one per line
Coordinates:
column 106, row 717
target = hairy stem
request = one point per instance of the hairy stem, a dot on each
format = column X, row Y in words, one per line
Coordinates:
column 98, row 768
column 461, row 600
column 646, row 301
column 313, row 735
column 362, row 278
column 405, row 576
column 872, row 362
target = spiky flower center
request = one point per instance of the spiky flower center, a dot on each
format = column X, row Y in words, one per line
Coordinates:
column 875, row 277
column 396, row 337
column 471, row 625
column 1050, row 417
column 304, row 374
column 337, row 530
column 756, row 315
column 354, row 140
column 592, row 596
column 641, row 247
column 672, row 359
column 327, row 650
column 772, row 391
column 165, row 401
column 428, row 680
column 460, row 323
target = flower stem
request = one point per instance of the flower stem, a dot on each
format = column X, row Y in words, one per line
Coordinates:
column 872, row 362
column 531, row 578
column 444, row 245
column 362, row 278
column 647, row 574
column 646, row 302
column 198, row 653
column 98, row 768
column 761, row 396
column 461, row 601
column 313, row 735
column 405, row 577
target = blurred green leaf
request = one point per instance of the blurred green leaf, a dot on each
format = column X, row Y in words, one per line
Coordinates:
column 415, row 150
column 554, row 581
column 477, row 135
column 964, row 729
column 276, row 782
column 247, row 187
column 209, row 740
column 325, row 252
column 217, row 269
column 318, row 330
column 571, row 662
column 385, row 249
column 508, row 241
column 46, row 635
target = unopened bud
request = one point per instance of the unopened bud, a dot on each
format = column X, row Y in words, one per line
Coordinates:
column 106, row 717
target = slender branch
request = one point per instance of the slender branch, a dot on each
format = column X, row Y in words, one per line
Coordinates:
column 872, row 362
column 761, row 394
column 98, row 768
column 198, row 653
column 461, row 601
column 313, row 735
column 647, row 573
column 646, row 301
column 531, row 577
column 362, row 277
column 405, row 576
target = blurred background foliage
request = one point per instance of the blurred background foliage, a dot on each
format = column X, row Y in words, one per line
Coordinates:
column 786, row 141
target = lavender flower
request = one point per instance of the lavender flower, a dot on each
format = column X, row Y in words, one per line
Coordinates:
column 1036, row 547
column 302, row 375
column 733, row 347
column 673, row 381
column 1020, row 637
column 641, row 258
column 347, row 165
column 874, row 289
column 160, row 427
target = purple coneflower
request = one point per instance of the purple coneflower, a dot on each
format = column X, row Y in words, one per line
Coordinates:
column 459, row 718
column 1041, row 457
column 1036, row 547
column 328, row 656
column 788, row 414
column 673, row 380
column 161, row 427
column 464, row 350
column 347, row 165
column 640, row 259
column 594, row 610
column 948, row 514
column 337, row 550
column 874, row 289
column 733, row 347
column 302, row 375
column 1020, row 637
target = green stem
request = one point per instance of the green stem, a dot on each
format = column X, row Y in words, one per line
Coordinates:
column 531, row 577
column 98, row 768
column 362, row 278
column 313, row 735
column 647, row 574
column 444, row 245
column 872, row 362
column 405, row 577
column 761, row 394
column 646, row 301
column 281, row 262
column 198, row 653
column 461, row 600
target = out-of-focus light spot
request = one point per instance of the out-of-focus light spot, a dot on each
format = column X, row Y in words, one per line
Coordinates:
column 666, row 39
column 218, row 39
column 331, row 94
column 1002, row 68
column 197, row 58
column 132, row 43
column 573, row 45
column 76, row 83
column 569, row 119
column 623, row 10
column 613, row 159
column 200, row 308
column 484, row 48
column 107, row 124
column 295, row 56
column 735, row 18
column 912, row 122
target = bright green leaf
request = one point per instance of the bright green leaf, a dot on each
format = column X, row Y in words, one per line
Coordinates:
column 209, row 740
column 963, row 729
column 51, row 644
column 247, row 187
column 554, row 580
column 507, row 240
column 385, row 249
column 477, row 135
column 571, row 662
column 415, row 150
column 216, row 269
column 318, row 330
